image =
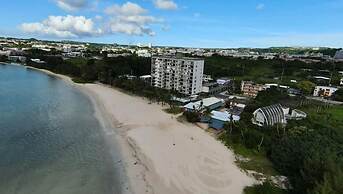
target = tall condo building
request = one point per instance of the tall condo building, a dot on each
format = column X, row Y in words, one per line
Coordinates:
column 177, row 73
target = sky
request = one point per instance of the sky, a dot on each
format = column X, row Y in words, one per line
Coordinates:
column 186, row 23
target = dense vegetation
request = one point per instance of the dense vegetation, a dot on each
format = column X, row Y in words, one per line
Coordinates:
column 88, row 69
column 263, row 70
column 308, row 152
column 108, row 71
column 298, row 51
column 3, row 58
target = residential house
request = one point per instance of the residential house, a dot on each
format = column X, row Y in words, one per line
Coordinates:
column 251, row 89
column 324, row 91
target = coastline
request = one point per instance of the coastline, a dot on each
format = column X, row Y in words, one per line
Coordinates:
column 160, row 154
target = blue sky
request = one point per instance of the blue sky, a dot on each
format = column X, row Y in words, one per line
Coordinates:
column 191, row 23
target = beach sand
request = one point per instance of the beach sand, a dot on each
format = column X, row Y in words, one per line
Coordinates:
column 160, row 154
column 163, row 155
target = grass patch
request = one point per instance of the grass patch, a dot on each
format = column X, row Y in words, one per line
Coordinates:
column 265, row 188
column 256, row 160
column 331, row 115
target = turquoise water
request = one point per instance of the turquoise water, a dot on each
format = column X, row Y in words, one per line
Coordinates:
column 50, row 141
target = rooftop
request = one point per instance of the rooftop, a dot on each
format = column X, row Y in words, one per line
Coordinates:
column 224, row 116
column 206, row 102
column 178, row 57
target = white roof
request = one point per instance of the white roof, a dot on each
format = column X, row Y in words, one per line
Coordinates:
column 321, row 77
column 182, row 100
column 224, row 116
column 206, row 103
column 241, row 105
column 326, row 87
column 276, row 85
column 145, row 76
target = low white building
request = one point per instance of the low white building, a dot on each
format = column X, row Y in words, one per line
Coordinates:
column 207, row 103
column 218, row 119
column 276, row 114
column 223, row 81
column 267, row 86
column 146, row 78
column 269, row 116
column 37, row 61
column 324, row 91
column 144, row 53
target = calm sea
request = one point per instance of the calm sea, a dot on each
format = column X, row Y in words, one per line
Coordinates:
column 50, row 140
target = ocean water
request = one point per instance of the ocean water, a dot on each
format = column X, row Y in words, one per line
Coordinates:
column 50, row 140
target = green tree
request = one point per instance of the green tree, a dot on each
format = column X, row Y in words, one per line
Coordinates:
column 306, row 86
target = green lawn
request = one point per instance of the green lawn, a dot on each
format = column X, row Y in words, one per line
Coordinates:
column 257, row 160
column 323, row 114
column 336, row 112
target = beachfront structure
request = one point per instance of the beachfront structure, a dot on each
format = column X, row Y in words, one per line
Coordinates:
column 206, row 103
column 269, row 116
column 218, row 119
column 324, row 91
column 276, row 114
column 181, row 74
column 251, row 89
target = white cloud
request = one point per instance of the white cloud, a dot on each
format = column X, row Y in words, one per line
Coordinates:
column 165, row 4
column 126, row 9
column 63, row 27
column 131, row 19
column 71, row 5
column 128, row 18
column 260, row 6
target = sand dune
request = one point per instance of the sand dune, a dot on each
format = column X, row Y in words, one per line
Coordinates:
column 162, row 155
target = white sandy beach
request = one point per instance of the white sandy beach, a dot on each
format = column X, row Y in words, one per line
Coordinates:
column 160, row 154
column 164, row 156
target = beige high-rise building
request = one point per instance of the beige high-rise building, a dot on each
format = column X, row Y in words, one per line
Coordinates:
column 182, row 74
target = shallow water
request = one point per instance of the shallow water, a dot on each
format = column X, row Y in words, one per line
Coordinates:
column 50, row 140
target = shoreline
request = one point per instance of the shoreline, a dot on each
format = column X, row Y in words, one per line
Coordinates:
column 160, row 154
